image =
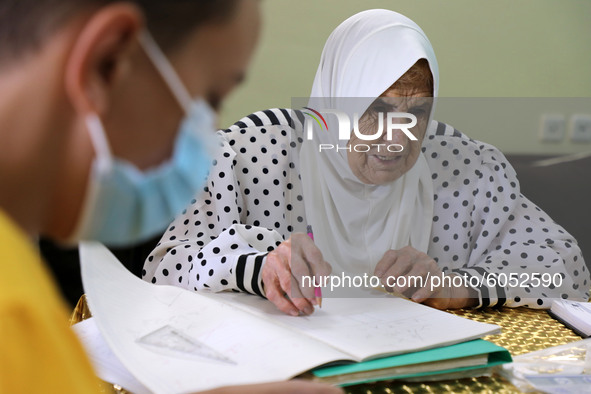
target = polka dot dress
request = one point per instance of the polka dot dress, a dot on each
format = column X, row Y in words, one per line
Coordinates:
column 483, row 227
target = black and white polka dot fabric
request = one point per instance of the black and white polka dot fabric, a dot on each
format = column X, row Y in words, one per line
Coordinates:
column 482, row 225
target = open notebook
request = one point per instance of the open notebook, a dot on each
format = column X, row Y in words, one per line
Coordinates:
column 173, row 340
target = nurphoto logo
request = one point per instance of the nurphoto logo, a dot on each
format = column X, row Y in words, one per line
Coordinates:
column 345, row 127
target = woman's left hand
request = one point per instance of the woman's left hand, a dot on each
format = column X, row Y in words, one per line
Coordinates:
column 419, row 284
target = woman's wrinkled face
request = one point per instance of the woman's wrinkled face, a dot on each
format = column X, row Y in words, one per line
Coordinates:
column 380, row 164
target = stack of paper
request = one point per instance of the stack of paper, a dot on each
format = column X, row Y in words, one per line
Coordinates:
column 575, row 315
column 472, row 358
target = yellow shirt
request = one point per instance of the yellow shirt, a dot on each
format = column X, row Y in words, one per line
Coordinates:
column 38, row 351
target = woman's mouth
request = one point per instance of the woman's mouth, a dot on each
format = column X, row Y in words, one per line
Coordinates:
column 386, row 159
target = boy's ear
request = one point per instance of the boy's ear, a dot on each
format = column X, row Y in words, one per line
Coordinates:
column 101, row 55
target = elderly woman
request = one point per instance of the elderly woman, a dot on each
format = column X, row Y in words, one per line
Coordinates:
column 442, row 205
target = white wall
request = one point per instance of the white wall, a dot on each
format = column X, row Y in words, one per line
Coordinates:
column 501, row 48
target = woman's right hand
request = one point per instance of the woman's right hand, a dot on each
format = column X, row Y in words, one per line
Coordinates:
column 284, row 272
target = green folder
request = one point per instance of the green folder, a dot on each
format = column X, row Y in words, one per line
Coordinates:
column 477, row 355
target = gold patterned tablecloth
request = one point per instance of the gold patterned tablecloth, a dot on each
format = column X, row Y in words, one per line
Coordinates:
column 523, row 330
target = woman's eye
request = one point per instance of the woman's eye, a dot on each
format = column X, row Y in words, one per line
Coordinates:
column 418, row 112
column 380, row 109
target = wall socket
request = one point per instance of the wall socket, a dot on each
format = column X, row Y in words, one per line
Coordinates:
column 552, row 128
column 580, row 128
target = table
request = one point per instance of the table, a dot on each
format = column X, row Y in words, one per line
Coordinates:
column 523, row 330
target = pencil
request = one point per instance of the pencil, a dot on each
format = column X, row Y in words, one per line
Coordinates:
column 318, row 294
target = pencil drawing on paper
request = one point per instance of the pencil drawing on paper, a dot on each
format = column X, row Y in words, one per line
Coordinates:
column 173, row 342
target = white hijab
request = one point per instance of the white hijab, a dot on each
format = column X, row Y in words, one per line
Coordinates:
column 354, row 224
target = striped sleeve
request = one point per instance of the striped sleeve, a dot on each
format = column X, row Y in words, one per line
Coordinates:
column 269, row 117
column 480, row 280
column 234, row 260
column 248, row 273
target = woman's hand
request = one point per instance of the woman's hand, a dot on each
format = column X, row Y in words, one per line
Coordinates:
column 423, row 282
column 284, row 270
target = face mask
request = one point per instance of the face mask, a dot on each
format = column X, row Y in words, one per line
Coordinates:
column 124, row 205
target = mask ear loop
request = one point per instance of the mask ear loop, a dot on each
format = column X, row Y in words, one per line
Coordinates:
column 103, row 164
column 166, row 70
column 104, row 157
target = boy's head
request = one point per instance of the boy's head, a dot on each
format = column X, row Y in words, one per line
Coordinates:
column 71, row 58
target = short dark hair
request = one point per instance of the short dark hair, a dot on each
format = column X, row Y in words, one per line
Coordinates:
column 25, row 24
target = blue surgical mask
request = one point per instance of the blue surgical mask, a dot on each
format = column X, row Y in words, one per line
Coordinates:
column 124, row 205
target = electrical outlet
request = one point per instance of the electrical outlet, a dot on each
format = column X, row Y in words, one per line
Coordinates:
column 580, row 128
column 552, row 128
